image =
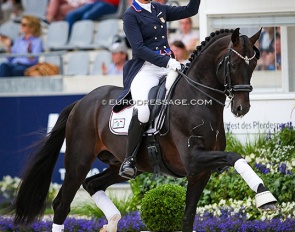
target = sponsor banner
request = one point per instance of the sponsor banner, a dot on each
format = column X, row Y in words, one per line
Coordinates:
column 265, row 116
column 24, row 121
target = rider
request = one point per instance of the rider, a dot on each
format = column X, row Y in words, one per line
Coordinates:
column 144, row 24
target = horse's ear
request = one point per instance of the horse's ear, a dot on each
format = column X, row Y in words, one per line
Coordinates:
column 255, row 37
column 235, row 37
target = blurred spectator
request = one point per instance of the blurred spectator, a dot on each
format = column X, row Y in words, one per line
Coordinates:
column 278, row 51
column 267, row 49
column 58, row 9
column 119, row 57
column 10, row 9
column 180, row 52
column 186, row 34
column 92, row 11
column 29, row 42
column 160, row 1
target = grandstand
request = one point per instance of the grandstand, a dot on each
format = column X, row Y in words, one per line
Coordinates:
column 60, row 50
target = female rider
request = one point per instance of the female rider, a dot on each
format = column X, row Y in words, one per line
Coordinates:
column 144, row 24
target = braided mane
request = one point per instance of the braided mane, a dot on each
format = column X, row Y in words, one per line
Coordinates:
column 206, row 43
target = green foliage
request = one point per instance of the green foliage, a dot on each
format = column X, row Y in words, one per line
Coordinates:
column 225, row 186
column 282, row 186
column 269, row 151
column 162, row 208
column 144, row 182
column 90, row 209
column 250, row 146
column 267, row 155
column 284, row 137
column 9, row 187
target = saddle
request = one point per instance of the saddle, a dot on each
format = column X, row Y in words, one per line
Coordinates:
column 156, row 98
column 122, row 113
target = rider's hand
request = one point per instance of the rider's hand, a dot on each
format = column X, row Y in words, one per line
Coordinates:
column 173, row 64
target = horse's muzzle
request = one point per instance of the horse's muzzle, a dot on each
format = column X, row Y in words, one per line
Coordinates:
column 240, row 107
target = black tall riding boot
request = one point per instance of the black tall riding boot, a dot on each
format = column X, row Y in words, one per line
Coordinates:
column 135, row 133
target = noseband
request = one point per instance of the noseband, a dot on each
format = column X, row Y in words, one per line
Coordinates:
column 230, row 89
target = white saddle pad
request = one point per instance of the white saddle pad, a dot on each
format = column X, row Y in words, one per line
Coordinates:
column 119, row 122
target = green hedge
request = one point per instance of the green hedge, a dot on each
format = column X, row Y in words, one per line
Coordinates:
column 162, row 208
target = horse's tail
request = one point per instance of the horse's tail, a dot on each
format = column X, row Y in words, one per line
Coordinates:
column 29, row 204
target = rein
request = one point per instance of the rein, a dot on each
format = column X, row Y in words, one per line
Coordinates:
column 195, row 85
column 229, row 89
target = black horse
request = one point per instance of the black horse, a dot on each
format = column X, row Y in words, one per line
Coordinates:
column 220, row 67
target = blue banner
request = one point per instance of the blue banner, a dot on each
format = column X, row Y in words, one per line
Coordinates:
column 24, row 121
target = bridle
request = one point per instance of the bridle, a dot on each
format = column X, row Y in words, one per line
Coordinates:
column 229, row 89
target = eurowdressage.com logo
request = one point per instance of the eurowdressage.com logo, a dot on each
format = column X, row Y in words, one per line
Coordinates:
column 158, row 102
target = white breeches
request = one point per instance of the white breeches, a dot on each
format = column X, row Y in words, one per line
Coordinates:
column 147, row 77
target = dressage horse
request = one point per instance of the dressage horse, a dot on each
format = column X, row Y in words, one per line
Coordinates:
column 193, row 147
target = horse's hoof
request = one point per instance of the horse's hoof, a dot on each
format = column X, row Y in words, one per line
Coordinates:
column 103, row 229
column 112, row 224
column 269, row 207
column 265, row 201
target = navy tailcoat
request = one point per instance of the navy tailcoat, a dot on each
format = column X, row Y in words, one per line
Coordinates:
column 147, row 35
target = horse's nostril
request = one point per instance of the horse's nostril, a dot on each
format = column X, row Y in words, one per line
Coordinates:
column 240, row 108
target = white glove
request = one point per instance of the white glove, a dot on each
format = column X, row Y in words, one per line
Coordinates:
column 173, row 64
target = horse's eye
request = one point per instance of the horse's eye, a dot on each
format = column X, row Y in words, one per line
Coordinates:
column 233, row 66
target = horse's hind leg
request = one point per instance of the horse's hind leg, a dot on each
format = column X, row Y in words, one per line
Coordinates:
column 77, row 164
column 195, row 187
column 103, row 180
column 95, row 186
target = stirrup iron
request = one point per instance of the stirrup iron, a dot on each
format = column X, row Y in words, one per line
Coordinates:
column 128, row 168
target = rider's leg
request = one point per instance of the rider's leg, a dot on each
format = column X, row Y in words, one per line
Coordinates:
column 171, row 77
column 135, row 133
column 145, row 79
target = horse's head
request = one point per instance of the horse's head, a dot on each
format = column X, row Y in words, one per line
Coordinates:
column 236, row 69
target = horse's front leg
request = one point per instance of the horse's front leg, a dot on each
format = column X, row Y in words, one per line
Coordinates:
column 212, row 160
column 195, row 187
column 264, row 199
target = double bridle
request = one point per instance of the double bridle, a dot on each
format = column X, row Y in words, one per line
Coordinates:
column 229, row 89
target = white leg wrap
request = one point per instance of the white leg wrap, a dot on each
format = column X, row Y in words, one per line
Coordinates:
column 251, row 178
column 171, row 77
column 105, row 204
column 57, row 228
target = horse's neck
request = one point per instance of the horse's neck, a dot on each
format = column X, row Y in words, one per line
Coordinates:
column 196, row 109
column 203, row 70
column 204, row 66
